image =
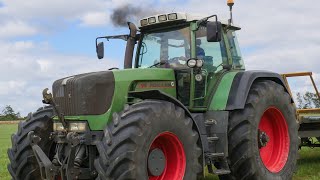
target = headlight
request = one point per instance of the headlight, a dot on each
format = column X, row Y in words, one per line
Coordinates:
column 58, row 127
column 74, row 127
column 191, row 63
column 199, row 63
column 77, row 127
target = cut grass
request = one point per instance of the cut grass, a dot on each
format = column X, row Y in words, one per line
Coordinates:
column 309, row 162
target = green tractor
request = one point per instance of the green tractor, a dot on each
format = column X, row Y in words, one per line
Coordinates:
column 183, row 107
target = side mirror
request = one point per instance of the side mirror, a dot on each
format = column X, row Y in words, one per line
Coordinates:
column 100, row 50
column 214, row 31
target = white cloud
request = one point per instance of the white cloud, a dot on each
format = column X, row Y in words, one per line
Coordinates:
column 16, row 29
column 37, row 9
column 24, row 72
column 95, row 19
column 42, row 14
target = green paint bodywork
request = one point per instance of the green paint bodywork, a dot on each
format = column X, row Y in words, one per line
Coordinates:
column 220, row 98
column 124, row 80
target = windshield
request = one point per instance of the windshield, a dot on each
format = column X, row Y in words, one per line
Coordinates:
column 169, row 49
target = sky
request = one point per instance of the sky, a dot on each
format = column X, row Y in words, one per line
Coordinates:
column 45, row 40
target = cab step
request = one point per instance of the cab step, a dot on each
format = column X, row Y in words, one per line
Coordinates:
column 214, row 155
column 212, row 138
column 221, row 171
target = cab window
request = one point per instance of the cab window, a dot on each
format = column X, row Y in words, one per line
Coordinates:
column 213, row 53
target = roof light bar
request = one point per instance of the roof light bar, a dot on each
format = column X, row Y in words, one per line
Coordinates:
column 162, row 18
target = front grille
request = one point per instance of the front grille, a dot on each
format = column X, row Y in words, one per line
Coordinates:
column 84, row 94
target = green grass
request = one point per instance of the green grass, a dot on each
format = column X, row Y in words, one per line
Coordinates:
column 5, row 142
column 308, row 164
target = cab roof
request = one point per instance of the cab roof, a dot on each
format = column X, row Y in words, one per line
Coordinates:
column 174, row 17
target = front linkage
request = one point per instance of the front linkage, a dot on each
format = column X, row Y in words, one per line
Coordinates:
column 76, row 148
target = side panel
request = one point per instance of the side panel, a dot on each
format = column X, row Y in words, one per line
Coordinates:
column 242, row 83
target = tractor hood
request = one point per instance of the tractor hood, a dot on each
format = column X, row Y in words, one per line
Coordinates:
column 97, row 93
column 84, row 94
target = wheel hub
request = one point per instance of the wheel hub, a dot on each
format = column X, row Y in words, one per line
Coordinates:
column 166, row 159
column 156, row 162
column 263, row 138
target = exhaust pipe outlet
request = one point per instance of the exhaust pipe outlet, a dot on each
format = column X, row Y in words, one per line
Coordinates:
column 130, row 46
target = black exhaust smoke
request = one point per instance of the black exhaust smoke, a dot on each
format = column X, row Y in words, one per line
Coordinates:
column 129, row 13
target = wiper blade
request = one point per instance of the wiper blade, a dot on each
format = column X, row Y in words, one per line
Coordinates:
column 158, row 63
column 123, row 37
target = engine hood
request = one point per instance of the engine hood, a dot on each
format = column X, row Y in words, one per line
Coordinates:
column 98, row 92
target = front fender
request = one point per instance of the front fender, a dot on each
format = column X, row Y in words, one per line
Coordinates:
column 242, row 83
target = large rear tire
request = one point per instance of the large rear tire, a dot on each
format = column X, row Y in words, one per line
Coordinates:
column 263, row 137
column 23, row 164
column 143, row 130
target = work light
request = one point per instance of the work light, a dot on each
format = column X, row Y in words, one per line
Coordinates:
column 152, row 20
column 144, row 22
column 199, row 63
column 172, row 16
column 162, row 18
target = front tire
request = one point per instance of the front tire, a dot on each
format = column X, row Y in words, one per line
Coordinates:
column 263, row 137
column 143, row 128
column 23, row 164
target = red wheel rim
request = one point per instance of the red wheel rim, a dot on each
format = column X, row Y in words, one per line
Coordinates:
column 275, row 154
column 175, row 156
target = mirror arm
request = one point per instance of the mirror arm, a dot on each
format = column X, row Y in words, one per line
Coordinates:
column 206, row 19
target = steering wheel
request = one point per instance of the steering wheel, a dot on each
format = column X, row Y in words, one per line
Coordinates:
column 177, row 59
column 176, row 62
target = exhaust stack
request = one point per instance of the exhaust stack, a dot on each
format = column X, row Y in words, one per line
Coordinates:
column 130, row 46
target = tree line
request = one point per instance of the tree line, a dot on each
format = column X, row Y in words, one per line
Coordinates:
column 8, row 114
column 307, row 100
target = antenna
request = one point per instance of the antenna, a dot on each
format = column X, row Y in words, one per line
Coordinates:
column 230, row 3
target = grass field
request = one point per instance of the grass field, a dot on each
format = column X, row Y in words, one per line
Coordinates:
column 308, row 164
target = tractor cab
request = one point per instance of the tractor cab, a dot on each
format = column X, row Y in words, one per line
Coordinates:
column 197, row 49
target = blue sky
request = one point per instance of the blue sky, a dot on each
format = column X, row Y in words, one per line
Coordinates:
column 44, row 40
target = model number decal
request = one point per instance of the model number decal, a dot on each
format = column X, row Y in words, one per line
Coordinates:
column 156, row 84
